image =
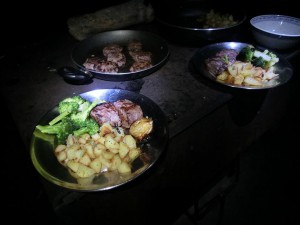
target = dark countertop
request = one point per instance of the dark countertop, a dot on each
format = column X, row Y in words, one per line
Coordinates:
column 32, row 86
column 193, row 105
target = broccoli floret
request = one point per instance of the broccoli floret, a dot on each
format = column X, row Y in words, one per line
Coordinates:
column 89, row 126
column 77, row 98
column 263, row 55
column 246, row 54
column 66, row 107
column 273, row 61
column 79, row 118
column 259, row 62
column 61, row 129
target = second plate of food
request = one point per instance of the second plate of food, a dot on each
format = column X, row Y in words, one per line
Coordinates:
column 212, row 60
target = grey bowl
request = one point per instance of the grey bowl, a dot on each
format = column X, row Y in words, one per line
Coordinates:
column 278, row 32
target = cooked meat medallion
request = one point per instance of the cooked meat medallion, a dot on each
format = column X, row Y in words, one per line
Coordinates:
column 219, row 63
column 121, row 113
column 113, row 58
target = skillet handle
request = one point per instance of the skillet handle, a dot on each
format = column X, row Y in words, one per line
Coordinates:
column 75, row 76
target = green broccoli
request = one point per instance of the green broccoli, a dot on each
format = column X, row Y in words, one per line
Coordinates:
column 61, row 129
column 77, row 98
column 273, row 61
column 246, row 54
column 259, row 62
column 67, row 106
column 89, row 126
column 79, row 118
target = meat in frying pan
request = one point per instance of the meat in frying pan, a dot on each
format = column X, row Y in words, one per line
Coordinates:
column 112, row 48
column 117, row 57
column 91, row 63
column 134, row 46
column 219, row 63
column 105, row 66
column 138, row 56
column 121, row 113
column 140, row 65
column 142, row 59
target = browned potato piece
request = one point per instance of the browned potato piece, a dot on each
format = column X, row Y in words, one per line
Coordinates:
column 141, row 128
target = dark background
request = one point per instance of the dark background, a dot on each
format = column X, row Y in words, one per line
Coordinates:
column 25, row 21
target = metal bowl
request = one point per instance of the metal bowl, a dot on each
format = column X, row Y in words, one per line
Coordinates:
column 181, row 23
column 46, row 163
column 277, row 32
column 283, row 67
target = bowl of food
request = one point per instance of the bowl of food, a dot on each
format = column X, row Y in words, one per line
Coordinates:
column 242, row 65
column 194, row 23
column 278, row 32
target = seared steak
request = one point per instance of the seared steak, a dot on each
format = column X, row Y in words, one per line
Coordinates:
column 121, row 113
column 221, row 61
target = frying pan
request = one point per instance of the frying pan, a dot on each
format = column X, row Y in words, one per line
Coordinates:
column 94, row 45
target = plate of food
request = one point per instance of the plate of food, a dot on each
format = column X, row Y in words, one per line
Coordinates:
column 242, row 65
column 117, row 56
column 99, row 140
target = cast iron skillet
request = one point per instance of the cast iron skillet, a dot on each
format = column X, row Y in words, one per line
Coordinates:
column 94, row 45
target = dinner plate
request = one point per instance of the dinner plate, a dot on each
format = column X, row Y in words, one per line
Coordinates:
column 283, row 67
column 94, row 45
column 46, row 163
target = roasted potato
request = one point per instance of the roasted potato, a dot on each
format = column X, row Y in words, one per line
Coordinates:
column 141, row 128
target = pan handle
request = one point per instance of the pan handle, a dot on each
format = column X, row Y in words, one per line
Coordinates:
column 75, row 76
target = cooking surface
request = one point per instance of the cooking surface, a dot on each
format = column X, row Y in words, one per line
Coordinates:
column 194, row 107
column 183, row 99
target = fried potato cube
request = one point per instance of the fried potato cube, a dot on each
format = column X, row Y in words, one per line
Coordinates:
column 78, row 154
column 73, row 165
column 100, row 140
column 238, row 80
column 95, row 136
column 107, row 154
column 129, row 141
column 223, row 76
column 71, row 153
column 124, row 149
column 85, row 160
column 115, row 162
column 106, row 164
column 105, row 128
column 134, row 153
column 84, row 171
column 61, row 156
column 90, row 151
column 252, row 81
column 141, row 128
column 98, row 149
column 111, row 144
column 96, row 165
column 60, row 148
column 119, row 133
column 124, row 167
